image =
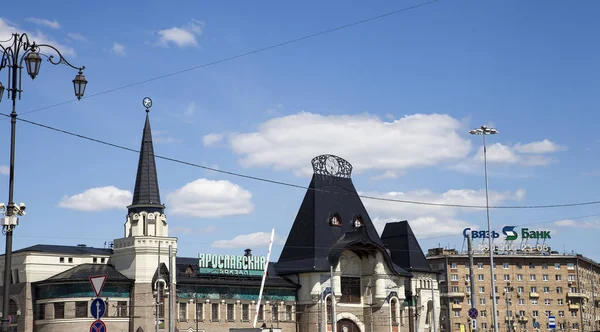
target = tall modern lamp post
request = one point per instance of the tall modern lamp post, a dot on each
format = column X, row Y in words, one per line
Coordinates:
column 484, row 131
column 15, row 51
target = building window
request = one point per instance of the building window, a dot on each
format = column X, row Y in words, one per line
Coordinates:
column 102, row 260
column 41, row 311
column 535, row 313
column 533, row 301
column 547, row 302
column 546, row 290
column 533, row 289
column 532, row 277
column 570, row 266
column 521, row 301
column 506, row 277
column 482, row 301
column 336, row 220
column 454, row 277
column 199, row 307
column 261, row 313
column 557, row 266
column 520, row 289
column 288, row 313
column 519, row 277
column 505, row 265
column 483, row 313
column 70, row 259
column 573, row 313
column 182, row 312
column 59, row 310
column 215, row 312
column 230, row 309
column 95, row 260
column 61, row 259
column 483, row 326
column 350, row 290
column 329, row 309
column 453, row 265
column 571, row 277
column 481, row 289
column 544, row 266
column 275, row 313
column 558, row 277
column 480, row 266
column 393, row 310
column 245, row 312
column 480, row 277
column 81, row 309
column 559, row 290
column 559, row 302
column 122, row 309
column 545, row 277
column 531, row 266
column 456, row 313
column 561, row 313
column 455, row 289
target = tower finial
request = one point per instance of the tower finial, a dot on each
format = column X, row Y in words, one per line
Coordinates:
column 147, row 102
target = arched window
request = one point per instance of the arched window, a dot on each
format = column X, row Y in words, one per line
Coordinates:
column 393, row 308
column 329, row 309
column 429, row 317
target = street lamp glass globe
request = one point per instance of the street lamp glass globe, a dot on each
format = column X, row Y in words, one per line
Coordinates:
column 33, row 62
column 79, row 84
column 1, row 91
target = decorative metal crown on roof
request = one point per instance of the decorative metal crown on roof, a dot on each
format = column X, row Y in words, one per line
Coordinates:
column 328, row 164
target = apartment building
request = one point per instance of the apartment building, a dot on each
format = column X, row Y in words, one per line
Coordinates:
column 529, row 287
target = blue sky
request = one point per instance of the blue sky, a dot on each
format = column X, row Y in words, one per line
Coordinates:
column 396, row 97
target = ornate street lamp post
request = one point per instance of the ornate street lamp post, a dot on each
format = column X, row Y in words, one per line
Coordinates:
column 20, row 50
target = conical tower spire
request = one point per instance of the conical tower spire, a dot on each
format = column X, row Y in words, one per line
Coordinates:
column 146, row 195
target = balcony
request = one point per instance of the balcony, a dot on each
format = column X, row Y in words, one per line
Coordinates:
column 453, row 294
column 456, row 306
column 506, row 318
column 577, row 295
column 574, row 306
column 523, row 319
column 534, row 294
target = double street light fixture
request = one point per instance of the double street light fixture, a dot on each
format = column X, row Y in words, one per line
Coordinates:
column 484, row 131
column 20, row 50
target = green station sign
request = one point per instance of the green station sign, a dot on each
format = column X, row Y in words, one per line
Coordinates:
column 231, row 265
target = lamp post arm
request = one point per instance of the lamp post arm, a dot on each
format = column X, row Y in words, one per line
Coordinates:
column 61, row 58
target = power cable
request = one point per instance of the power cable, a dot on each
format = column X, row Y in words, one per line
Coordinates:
column 281, row 183
column 291, row 41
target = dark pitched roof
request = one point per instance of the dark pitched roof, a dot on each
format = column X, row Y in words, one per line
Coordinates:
column 83, row 272
column 272, row 280
column 404, row 247
column 146, row 195
column 67, row 250
column 312, row 237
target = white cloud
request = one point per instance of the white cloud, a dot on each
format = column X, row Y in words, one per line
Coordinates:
column 189, row 230
column 253, row 240
column 181, row 36
column 530, row 154
column 159, row 136
column 190, row 109
column 205, row 198
column 386, row 175
column 432, row 220
column 578, row 224
column 98, row 199
column 119, row 49
column 545, row 146
column 44, row 22
column 4, row 170
column 77, row 36
column 212, row 139
column 290, row 142
column 6, row 31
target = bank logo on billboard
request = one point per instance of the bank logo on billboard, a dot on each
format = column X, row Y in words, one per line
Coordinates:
column 511, row 235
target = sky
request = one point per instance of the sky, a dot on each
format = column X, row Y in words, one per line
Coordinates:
column 395, row 96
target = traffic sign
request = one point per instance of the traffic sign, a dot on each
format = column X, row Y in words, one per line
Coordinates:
column 551, row 322
column 98, row 283
column 98, row 326
column 473, row 313
column 474, row 324
column 98, row 308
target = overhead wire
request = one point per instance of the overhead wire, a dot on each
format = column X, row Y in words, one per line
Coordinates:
column 281, row 183
column 258, row 50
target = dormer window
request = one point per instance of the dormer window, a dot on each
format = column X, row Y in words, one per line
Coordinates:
column 335, row 220
column 358, row 222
